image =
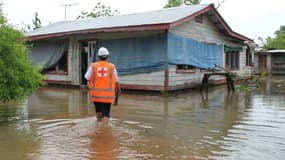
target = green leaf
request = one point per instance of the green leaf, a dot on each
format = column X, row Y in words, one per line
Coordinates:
column 18, row 77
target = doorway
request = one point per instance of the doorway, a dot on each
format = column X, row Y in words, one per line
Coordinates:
column 262, row 64
column 88, row 55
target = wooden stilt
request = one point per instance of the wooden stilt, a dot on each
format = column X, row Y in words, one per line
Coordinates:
column 230, row 82
column 205, row 81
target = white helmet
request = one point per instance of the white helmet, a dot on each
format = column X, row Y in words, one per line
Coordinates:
column 103, row 51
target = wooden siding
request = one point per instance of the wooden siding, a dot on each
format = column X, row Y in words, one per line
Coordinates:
column 184, row 80
column 152, row 79
column 74, row 58
column 204, row 32
column 53, row 77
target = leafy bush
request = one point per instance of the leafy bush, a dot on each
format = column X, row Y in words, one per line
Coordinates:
column 17, row 76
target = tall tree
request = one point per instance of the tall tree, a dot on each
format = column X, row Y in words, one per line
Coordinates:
column 278, row 42
column 100, row 10
column 17, row 76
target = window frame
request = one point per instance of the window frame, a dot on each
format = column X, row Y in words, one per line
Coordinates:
column 248, row 60
column 185, row 68
column 232, row 60
column 199, row 18
column 56, row 69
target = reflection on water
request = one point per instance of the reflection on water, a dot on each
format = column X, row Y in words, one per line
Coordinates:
column 60, row 123
column 259, row 132
column 103, row 144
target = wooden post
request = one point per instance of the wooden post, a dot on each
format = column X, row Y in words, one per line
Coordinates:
column 166, row 82
column 230, row 83
column 205, row 82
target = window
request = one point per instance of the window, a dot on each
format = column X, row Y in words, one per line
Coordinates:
column 184, row 68
column 232, row 60
column 248, row 58
column 199, row 18
column 59, row 68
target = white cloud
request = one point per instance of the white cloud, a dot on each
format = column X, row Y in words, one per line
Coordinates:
column 19, row 12
column 254, row 18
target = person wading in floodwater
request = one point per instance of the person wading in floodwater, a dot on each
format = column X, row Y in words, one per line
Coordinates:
column 103, row 82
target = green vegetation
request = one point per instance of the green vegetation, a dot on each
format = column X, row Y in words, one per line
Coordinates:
column 100, row 10
column 177, row 3
column 277, row 42
column 279, row 85
column 249, row 84
column 17, row 76
column 258, row 82
column 278, row 81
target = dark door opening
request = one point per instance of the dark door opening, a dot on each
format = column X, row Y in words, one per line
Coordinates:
column 84, row 61
column 88, row 56
column 262, row 64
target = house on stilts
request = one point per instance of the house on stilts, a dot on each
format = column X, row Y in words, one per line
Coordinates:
column 163, row 50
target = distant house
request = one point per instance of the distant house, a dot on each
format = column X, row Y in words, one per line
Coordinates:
column 162, row 50
column 269, row 62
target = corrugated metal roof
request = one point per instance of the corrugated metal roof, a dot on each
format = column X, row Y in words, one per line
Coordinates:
column 152, row 20
column 164, row 16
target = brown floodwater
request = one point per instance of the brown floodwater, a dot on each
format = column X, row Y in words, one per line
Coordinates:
column 59, row 123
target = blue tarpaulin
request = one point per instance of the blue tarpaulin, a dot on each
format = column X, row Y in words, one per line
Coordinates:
column 148, row 54
column 191, row 52
column 137, row 55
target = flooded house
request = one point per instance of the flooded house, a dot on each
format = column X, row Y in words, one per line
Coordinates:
column 269, row 62
column 163, row 50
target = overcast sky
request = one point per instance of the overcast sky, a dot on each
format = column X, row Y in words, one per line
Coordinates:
column 251, row 18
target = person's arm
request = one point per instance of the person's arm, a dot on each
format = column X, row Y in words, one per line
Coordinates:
column 117, row 88
column 88, row 74
column 117, row 84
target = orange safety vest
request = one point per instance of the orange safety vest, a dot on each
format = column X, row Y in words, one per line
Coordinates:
column 102, row 82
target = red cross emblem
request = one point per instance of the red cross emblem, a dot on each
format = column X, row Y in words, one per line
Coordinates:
column 102, row 72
